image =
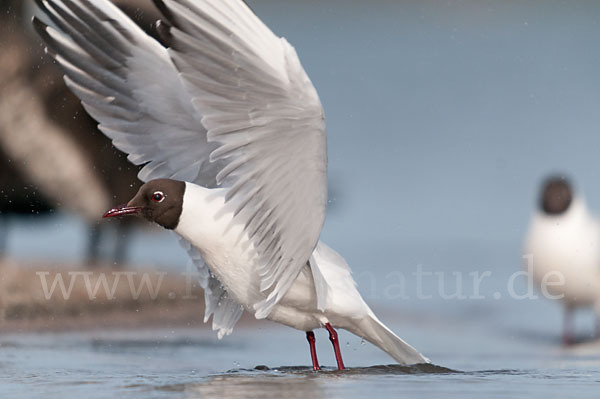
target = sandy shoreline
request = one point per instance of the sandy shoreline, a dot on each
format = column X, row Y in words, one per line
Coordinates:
column 51, row 298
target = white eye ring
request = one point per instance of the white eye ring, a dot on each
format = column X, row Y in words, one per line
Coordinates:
column 158, row 196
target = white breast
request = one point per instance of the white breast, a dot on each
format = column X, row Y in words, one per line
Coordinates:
column 206, row 222
column 568, row 244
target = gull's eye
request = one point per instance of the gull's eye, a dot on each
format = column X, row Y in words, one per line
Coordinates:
column 158, row 196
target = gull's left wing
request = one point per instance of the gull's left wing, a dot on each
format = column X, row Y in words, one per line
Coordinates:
column 260, row 106
column 228, row 87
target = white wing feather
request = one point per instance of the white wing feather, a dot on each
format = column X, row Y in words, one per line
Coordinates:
column 330, row 268
column 127, row 82
column 259, row 104
column 225, row 311
column 229, row 88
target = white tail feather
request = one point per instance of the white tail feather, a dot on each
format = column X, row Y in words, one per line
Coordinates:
column 374, row 331
column 337, row 294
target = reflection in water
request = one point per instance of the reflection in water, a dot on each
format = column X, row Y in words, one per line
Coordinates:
column 291, row 381
column 266, row 386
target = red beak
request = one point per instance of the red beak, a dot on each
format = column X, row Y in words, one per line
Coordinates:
column 122, row 211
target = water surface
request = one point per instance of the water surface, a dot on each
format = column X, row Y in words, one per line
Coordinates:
column 442, row 118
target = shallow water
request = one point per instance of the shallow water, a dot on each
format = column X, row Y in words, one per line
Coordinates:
column 442, row 117
column 274, row 362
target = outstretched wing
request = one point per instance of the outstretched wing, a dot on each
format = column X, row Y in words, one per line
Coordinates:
column 259, row 104
column 128, row 83
column 261, row 119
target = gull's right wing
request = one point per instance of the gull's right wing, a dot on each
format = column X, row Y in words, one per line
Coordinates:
column 227, row 91
column 128, row 83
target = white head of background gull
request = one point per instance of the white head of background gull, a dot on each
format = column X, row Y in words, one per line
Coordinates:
column 232, row 135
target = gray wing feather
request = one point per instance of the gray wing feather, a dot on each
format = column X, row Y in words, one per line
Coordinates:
column 127, row 82
column 229, row 104
column 260, row 106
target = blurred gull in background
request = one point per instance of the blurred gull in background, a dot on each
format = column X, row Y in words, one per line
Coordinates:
column 562, row 249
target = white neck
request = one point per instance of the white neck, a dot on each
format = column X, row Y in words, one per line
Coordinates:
column 206, row 221
column 199, row 215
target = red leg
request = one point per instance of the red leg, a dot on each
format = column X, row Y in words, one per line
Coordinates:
column 333, row 337
column 310, row 336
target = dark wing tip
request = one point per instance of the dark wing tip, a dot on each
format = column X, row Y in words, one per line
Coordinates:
column 41, row 29
column 40, row 4
column 162, row 7
column 163, row 29
column 169, row 18
column 39, row 26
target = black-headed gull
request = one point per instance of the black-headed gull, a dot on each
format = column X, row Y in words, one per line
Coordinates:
column 232, row 135
column 562, row 249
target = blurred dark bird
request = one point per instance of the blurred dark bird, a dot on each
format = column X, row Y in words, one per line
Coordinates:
column 52, row 154
column 562, row 250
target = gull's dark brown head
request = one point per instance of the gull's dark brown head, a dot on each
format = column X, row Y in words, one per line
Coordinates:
column 557, row 195
column 159, row 201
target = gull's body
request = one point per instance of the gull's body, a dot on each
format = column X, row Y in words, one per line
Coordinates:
column 228, row 250
column 228, row 109
column 568, row 244
column 226, row 247
column 563, row 245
